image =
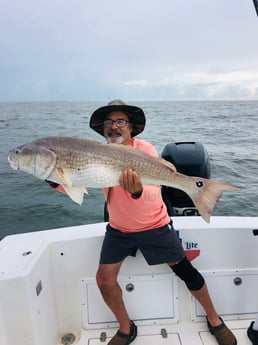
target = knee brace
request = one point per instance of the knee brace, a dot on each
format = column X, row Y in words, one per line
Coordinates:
column 192, row 278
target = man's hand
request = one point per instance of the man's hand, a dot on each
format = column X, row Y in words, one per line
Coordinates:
column 131, row 182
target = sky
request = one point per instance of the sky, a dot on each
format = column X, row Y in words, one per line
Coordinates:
column 98, row 50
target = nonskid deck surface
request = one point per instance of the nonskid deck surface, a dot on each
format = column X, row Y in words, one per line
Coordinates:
column 186, row 333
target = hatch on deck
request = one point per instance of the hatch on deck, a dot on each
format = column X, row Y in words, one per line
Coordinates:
column 149, row 299
column 234, row 292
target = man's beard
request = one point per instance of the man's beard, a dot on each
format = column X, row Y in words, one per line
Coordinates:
column 115, row 136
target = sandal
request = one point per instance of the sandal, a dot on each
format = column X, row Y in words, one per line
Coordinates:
column 124, row 339
column 222, row 333
column 252, row 334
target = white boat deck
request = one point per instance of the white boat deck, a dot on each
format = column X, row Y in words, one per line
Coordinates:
column 184, row 333
column 49, row 295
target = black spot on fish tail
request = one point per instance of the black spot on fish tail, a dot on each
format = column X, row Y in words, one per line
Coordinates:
column 199, row 184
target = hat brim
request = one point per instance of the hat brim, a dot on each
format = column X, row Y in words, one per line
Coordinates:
column 135, row 114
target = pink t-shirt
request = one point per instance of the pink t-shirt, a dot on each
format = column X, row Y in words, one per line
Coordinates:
column 134, row 215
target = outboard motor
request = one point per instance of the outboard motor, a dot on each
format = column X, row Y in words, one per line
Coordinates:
column 189, row 158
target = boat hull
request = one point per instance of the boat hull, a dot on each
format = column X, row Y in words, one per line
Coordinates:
column 48, row 289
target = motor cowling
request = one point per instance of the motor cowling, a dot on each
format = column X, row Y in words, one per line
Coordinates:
column 189, row 158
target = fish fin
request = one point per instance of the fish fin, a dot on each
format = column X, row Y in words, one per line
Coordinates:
column 60, row 172
column 86, row 190
column 166, row 163
column 206, row 194
column 75, row 193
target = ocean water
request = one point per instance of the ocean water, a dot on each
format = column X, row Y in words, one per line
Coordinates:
column 227, row 129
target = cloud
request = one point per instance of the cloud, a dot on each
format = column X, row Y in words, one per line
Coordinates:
column 231, row 85
column 90, row 49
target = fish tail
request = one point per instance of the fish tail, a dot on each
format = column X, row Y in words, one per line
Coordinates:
column 206, row 194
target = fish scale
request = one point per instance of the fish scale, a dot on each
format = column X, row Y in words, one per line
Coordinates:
column 77, row 163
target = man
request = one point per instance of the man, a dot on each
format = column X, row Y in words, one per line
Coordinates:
column 138, row 219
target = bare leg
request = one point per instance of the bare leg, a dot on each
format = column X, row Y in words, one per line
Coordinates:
column 197, row 286
column 112, row 294
column 204, row 299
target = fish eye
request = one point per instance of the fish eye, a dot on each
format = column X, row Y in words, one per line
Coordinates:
column 17, row 151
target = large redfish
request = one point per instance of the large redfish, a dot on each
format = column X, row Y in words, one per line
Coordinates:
column 75, row 163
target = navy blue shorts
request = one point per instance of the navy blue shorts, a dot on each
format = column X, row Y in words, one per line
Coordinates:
column 158, row 246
